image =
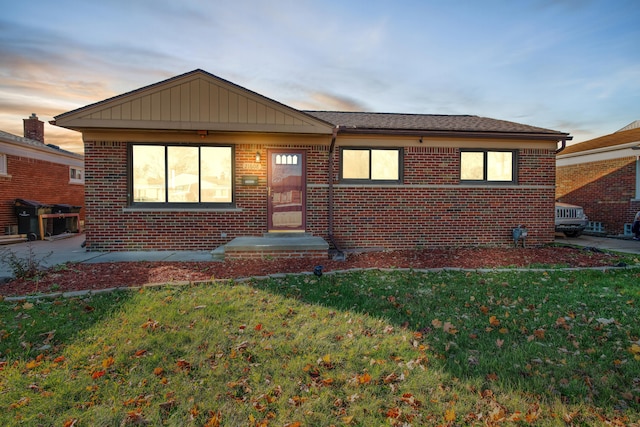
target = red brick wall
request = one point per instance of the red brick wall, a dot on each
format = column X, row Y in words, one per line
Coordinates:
column 430, row 209
column 39, row 180
column 604, row 188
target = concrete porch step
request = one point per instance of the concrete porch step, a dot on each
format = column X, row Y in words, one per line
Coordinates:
column 274, row 245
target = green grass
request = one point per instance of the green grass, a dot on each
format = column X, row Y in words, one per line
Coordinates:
column 365, row 348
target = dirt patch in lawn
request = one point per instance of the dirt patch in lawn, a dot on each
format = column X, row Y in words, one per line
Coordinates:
column 73, row 277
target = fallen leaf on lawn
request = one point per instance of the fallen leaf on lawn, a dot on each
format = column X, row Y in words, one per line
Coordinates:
column 258, row 327
column 450, row 415
column 27, row 306
column 493, row 321
column 108, row 362
column 449, row 328
column 20, row 403
column 393, row 412
column 70, row 423
column 150, row 324
column 32, row 364
column 492, row 377
column 539, row 333
column 436, row 323
column 410, row 400
column 215, row 420
column 140, row 353
column 364, row 378
column 347, row 420
column 97, row 374
column 499, row 342
column 635, row 350
column 183, row 365
column 158, row 371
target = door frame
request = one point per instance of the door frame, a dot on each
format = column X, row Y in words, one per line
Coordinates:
column 303, row 188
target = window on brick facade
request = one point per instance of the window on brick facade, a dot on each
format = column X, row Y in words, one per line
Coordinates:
column 180, row 174
column 488, row 166
column 76, row 175
column 371, row 164
column 3, row 164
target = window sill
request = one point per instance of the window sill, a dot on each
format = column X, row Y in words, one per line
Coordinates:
column 181, row 209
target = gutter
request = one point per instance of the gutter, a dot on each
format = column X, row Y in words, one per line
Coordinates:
column 458, row 133
column 340, row 252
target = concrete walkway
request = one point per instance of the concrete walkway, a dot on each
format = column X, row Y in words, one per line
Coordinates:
column 55, row 252
column 50, row 253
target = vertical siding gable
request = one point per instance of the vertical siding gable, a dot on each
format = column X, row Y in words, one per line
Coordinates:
column 195, row 102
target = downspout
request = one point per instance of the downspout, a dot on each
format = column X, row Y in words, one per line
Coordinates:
column 340, row 253
column 564, row 145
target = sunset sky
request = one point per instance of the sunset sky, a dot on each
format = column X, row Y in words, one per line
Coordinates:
column 567, row 65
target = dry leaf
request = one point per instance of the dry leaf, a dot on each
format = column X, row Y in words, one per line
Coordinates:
column 364, row 378
column 108, row 362
column 450, row 415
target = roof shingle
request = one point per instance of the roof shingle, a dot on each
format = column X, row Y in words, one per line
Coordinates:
column 425, row 122
column 616, row 138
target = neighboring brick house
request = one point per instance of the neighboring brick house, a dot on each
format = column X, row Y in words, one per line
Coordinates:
column 603, row 176
column 33, row 170
column 195, row 161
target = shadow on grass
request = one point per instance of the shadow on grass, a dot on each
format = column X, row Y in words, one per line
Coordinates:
column 556, row 335
column 40, row 326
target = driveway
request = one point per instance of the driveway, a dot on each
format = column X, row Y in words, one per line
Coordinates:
column 626, row 245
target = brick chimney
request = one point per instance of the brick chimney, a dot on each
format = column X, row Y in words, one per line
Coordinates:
column 34, row 128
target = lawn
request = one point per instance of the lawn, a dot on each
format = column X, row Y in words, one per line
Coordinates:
column 366, row 348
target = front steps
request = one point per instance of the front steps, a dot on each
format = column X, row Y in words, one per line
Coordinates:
column 274, row 245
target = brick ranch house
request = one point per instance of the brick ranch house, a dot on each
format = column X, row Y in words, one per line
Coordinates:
column 33, row 170
column 603, row 176
column 195, row 161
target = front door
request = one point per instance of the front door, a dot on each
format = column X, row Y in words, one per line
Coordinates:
column 287, row 186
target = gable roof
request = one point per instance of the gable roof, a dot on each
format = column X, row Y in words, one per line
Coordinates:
column 633, row 125
column 432, row 124
column 622, row 138
column 196, row 100
column 201, row 101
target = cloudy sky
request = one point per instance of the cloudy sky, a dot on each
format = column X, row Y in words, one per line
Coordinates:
column 567, row 65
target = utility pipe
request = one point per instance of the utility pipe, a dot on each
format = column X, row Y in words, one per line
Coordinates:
column 331, row 150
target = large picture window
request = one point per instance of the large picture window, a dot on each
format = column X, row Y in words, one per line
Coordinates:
column 180, row 174
column 369, row 164
column 488, row 166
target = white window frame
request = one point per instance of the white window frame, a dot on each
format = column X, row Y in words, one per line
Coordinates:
column 76, row 175
column 3, row 164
